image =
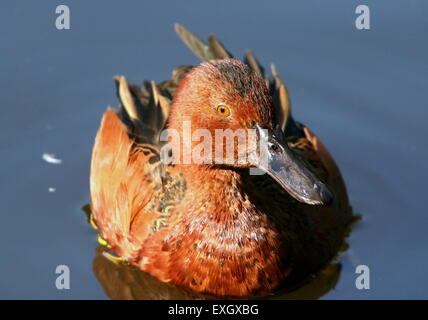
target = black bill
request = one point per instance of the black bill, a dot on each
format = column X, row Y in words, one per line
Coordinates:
column 277, row 160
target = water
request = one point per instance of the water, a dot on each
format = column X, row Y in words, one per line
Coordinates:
column 363, row 92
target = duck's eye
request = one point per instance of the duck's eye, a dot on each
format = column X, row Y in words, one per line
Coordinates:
column 223, row 110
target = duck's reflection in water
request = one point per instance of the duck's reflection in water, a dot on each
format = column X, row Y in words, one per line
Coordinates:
column 122, row 281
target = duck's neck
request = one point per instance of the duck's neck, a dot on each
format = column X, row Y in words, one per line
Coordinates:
column 202, row 177
column 222, row 191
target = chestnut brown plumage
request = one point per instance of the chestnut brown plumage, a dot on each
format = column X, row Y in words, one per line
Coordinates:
column 215, row 228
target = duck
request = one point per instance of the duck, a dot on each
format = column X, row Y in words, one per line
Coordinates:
column 269, row 214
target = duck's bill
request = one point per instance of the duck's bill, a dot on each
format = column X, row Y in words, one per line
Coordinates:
column 277, row 160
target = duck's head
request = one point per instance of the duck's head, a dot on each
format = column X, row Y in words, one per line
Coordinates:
column 226, row 97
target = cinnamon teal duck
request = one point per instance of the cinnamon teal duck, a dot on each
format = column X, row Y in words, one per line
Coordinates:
column 211, row 227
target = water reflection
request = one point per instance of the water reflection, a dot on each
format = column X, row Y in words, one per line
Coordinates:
column 123, row 281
